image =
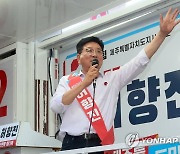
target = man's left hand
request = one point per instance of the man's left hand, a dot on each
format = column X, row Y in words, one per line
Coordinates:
column 168, row 23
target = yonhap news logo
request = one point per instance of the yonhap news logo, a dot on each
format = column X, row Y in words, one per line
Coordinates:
column 133, row 140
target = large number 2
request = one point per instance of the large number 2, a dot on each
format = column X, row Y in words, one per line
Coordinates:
column 3, row 85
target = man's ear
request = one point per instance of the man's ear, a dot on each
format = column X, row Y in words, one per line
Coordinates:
column 78, row 58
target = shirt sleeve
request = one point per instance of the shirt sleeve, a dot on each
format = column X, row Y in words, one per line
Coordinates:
column 56, row 104
column 132, row 69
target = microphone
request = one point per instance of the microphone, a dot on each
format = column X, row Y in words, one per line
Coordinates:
column 94, row 62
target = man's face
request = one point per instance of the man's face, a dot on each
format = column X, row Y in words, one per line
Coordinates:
column 89, row 52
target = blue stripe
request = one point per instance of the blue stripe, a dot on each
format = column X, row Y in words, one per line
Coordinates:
column 131, row 33
column 71, row 55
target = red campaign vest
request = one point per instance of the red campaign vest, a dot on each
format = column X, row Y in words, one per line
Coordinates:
column 85, row 100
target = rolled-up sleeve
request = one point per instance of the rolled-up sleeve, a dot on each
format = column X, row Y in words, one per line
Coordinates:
column 143, row 58
column 56, row 104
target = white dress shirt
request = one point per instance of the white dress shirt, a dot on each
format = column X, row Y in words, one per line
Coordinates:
column 108, row 86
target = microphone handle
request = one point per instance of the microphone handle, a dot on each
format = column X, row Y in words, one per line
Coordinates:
column 94, row 86
column 94, row 83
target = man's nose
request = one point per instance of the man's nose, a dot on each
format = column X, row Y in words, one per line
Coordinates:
column 94, row 53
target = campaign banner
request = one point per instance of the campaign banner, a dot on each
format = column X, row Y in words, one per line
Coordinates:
column 165, row 148
column 9, row 134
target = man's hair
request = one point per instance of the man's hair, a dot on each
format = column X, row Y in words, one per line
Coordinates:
column 83, row 41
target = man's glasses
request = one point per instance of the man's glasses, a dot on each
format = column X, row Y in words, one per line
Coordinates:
column 91, row 51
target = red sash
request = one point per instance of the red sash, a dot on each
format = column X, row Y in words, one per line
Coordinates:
column 85, row 100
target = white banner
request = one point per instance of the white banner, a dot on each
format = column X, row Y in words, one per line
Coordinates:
column 150, row 104
column 8, row 135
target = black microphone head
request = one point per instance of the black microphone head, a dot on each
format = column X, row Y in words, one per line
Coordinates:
column 95, row 61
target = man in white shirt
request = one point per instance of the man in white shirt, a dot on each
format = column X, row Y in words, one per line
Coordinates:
column 77, row 123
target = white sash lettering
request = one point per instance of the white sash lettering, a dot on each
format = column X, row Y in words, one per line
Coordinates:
column 96, row 115
column 87, row 103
